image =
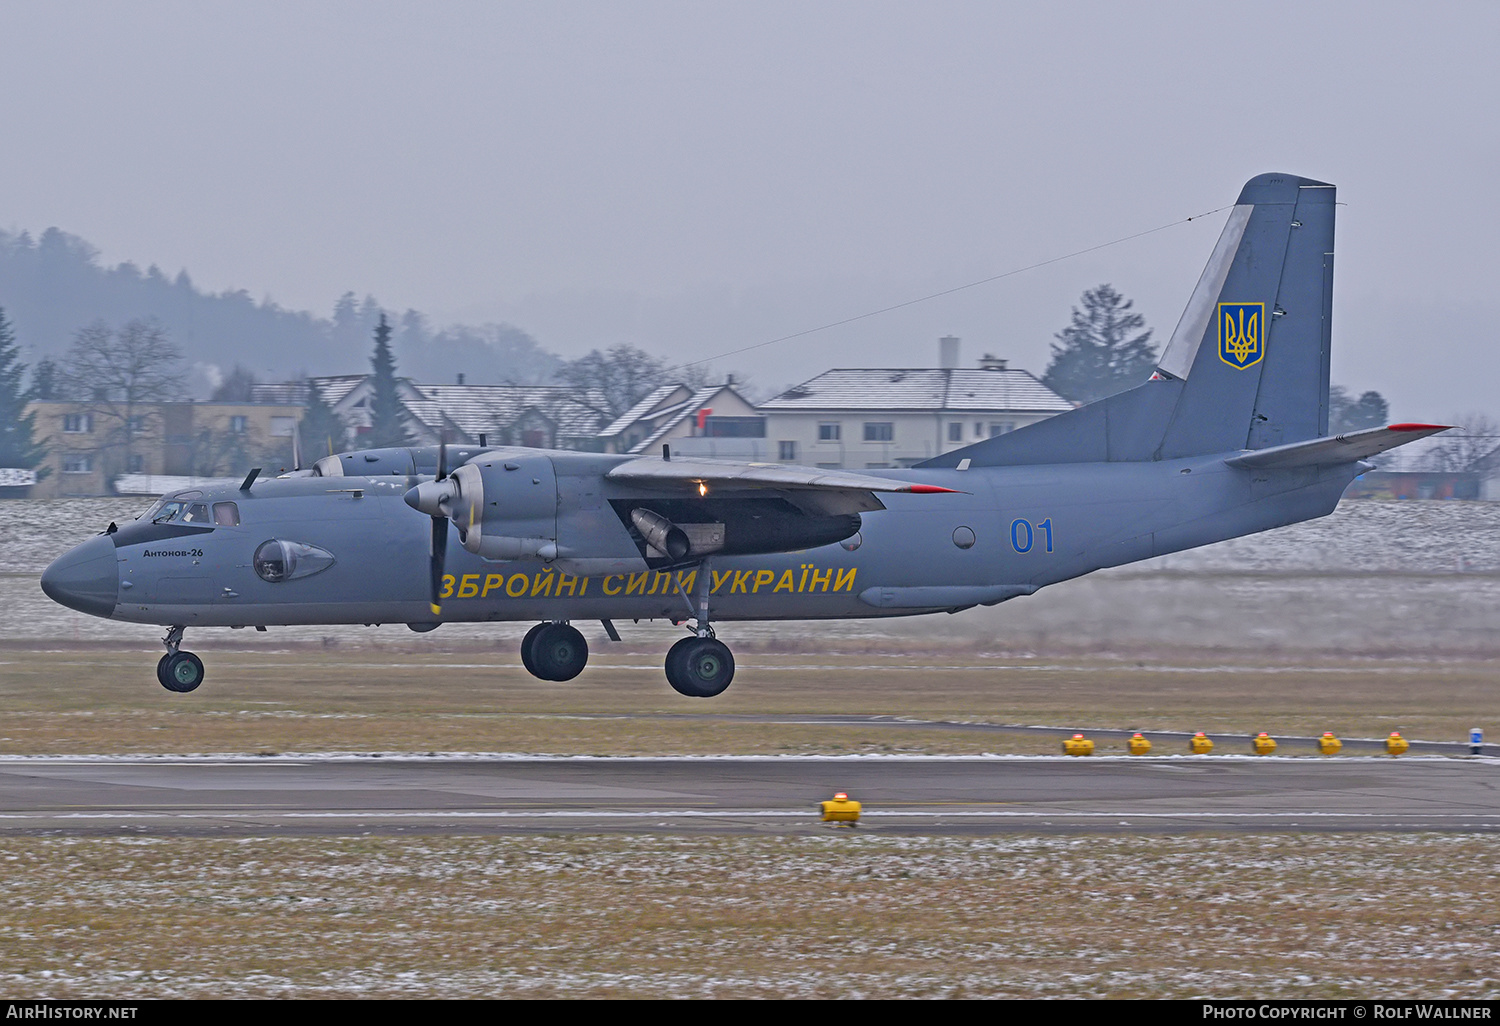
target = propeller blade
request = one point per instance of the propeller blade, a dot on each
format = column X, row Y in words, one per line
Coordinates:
column 439, row 551
column 443, row 457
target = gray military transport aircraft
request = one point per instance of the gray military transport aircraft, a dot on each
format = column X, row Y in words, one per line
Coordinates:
column 1228, row 437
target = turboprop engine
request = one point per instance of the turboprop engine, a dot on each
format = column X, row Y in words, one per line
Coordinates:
column 503, row 508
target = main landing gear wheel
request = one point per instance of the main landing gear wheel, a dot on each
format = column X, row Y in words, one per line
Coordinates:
column 700, row 667
column 526, row 643
column 180, row 671
column 554, row 651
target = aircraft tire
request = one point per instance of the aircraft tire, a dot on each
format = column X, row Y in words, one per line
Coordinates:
column 181, row 672
column 559, row 652
column 700, row 667
column 527, row 659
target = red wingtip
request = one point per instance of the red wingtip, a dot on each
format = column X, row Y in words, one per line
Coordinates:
column 930, row 489
column 1419, row 427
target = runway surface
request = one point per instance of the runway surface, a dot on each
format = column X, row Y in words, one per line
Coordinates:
column 342, row 795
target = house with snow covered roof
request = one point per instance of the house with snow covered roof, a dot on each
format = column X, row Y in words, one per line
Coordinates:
column 708, row 421
column 860, row 418
column 542, row 416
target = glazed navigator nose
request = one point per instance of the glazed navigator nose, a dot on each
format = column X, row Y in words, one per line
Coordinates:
column 85, row 578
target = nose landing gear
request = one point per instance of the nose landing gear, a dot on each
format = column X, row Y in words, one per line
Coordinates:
column 178, row 671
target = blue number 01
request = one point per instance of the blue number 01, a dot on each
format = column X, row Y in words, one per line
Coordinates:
column 1022, row 538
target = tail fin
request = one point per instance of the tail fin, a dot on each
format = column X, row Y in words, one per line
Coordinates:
column 1247, row 367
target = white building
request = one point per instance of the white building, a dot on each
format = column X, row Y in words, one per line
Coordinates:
column 863, row 418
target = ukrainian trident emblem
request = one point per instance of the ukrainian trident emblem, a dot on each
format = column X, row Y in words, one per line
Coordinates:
column 1241, row 342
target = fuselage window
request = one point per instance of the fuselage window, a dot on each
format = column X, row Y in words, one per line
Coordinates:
column 226, row 514
column 277, row 560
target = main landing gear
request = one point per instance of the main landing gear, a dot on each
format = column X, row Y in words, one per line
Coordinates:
column 178, row 670
column 554, row 651
column 700, row 666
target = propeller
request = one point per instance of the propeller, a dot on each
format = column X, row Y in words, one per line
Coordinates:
column 456, row 496
column 439, row 550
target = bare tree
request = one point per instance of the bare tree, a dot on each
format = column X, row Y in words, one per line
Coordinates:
column 1474, row 436
column 117, row 374
column 611, row 382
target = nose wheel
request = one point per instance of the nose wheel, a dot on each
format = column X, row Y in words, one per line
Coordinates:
column 178, row 671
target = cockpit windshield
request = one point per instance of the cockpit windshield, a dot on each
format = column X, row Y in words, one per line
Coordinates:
column 173, row 511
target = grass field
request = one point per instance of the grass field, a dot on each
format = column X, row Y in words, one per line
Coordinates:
column 841, row 915
column 421, row 697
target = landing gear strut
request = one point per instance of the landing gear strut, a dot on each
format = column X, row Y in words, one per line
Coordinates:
column 554, row 651
column 178, row 670
column 700, row 666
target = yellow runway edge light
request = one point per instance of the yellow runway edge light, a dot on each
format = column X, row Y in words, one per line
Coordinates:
column 1264, row 743
column 840, row 809
column 1078, row 745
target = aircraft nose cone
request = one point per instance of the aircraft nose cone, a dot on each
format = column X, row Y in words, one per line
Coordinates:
column 85, row 578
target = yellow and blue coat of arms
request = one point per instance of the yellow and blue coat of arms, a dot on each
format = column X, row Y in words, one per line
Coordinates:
column 1242, row 333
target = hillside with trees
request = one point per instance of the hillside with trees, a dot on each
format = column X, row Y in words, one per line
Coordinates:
column 54, row 285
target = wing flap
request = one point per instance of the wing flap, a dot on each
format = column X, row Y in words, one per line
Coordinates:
column 695, row 472
column 1345, row 448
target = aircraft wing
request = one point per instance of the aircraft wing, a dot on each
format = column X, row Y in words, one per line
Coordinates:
column 1345, row 448
column 829, row 491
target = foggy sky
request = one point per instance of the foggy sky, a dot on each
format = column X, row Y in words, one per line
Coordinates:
column 698, row 177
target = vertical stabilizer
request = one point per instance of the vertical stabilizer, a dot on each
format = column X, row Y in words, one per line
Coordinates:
column 1247, row 366
column 1252, row 346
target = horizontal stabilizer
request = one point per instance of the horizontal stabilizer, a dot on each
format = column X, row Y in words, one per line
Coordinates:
column 1347, row 448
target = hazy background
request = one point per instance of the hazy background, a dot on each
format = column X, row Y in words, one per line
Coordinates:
column 694, row 178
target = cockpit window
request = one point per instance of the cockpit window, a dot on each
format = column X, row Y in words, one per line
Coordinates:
column 226, row 514
column 196, row 513
column 167, row 512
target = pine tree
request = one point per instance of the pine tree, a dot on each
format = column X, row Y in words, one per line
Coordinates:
column 1097, row 355
column 320, row 430
column 18, row 446
column 386, row 421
